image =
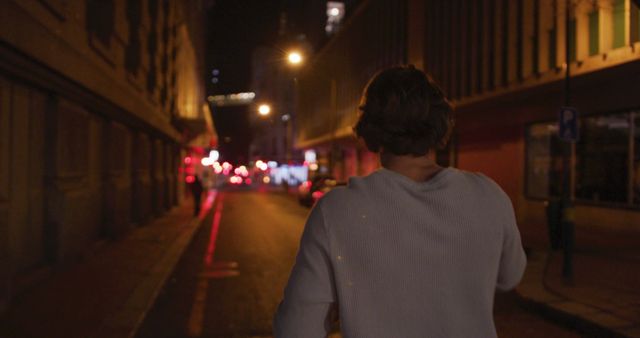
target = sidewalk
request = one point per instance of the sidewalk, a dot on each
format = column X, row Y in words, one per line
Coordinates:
column 110, row 291
column 604, row 298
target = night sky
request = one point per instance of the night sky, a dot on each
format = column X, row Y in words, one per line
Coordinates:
column 234, row 29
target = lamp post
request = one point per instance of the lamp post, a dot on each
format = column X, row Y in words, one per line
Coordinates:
column 295, row 59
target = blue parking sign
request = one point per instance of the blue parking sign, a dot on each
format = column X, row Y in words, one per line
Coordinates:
column 568, row 124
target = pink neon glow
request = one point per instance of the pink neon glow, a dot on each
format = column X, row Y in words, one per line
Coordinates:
column 190, row 179
column 317, row 194
column 187, row 160
column 211, row 248
column 247, row 181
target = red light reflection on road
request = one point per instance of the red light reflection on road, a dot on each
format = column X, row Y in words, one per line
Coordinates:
column 211, row 248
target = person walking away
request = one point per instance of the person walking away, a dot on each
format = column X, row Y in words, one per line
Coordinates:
column 413, row 249
column 196, row 191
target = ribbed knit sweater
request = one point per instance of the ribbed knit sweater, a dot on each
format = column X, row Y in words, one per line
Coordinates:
column 404, row 259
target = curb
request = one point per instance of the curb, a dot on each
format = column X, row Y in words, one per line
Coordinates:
column 557, row 311
column 127, row 321
column 588, row 320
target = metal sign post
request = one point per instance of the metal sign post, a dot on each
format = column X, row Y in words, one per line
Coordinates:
column 568, row 131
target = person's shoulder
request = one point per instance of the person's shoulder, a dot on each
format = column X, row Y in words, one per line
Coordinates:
column 482, row 182
column 345, row 191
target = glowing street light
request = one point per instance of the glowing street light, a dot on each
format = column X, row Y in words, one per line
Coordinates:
column 294, row 58
column 264, row 109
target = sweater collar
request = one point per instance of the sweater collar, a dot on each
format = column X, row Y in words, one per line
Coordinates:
column 435, row 181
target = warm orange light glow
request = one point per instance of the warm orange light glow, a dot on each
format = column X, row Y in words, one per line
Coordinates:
column 295, row 58
column 264, row 109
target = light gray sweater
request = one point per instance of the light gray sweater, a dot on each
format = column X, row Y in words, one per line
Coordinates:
column 404, row 259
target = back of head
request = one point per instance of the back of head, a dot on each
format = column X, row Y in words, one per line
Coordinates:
column 404, row 112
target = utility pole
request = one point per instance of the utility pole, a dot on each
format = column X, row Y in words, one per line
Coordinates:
column 568, row 226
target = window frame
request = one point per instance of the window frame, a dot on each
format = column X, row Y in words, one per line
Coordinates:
column 633, row 114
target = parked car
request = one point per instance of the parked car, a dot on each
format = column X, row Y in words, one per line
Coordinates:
column 309, row 192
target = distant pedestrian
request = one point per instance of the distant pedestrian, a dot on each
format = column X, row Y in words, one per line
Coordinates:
column 413, row 249
column 196, row 191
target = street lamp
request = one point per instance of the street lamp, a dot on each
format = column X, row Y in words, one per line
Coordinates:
column 264, row 109
column 294, row 58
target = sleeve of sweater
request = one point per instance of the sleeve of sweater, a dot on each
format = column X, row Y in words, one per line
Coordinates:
column 513, row 260
column 309, row 294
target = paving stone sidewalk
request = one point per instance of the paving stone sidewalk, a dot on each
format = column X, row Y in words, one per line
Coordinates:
column 603, row 300
column 108, row 293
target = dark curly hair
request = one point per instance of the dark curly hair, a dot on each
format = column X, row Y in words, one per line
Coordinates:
column 404, row 112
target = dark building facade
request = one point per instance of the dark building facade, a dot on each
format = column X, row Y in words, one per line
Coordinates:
column 94, row 100
column 502, row 63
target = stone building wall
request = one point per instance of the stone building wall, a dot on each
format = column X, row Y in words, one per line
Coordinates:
column 89, row 92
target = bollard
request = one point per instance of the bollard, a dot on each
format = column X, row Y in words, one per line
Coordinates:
column 554, row 223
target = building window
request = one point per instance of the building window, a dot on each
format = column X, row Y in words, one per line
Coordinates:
column 492, row 45
column 594, row 32
column 100, row 17
column 133, row 50
column 535, row 47
column 519, row 37
column 605, row 164
column 637, row 30
column 619, row 23
column 553, row 51
column 602, row 156
column 152, row 47
column 480, row 36
column 572, row 40
column 544, row 161
column 505, row 42
column 635, row 23
column 636, row 158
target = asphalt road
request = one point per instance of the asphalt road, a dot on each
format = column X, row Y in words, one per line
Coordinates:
column 230, row 279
